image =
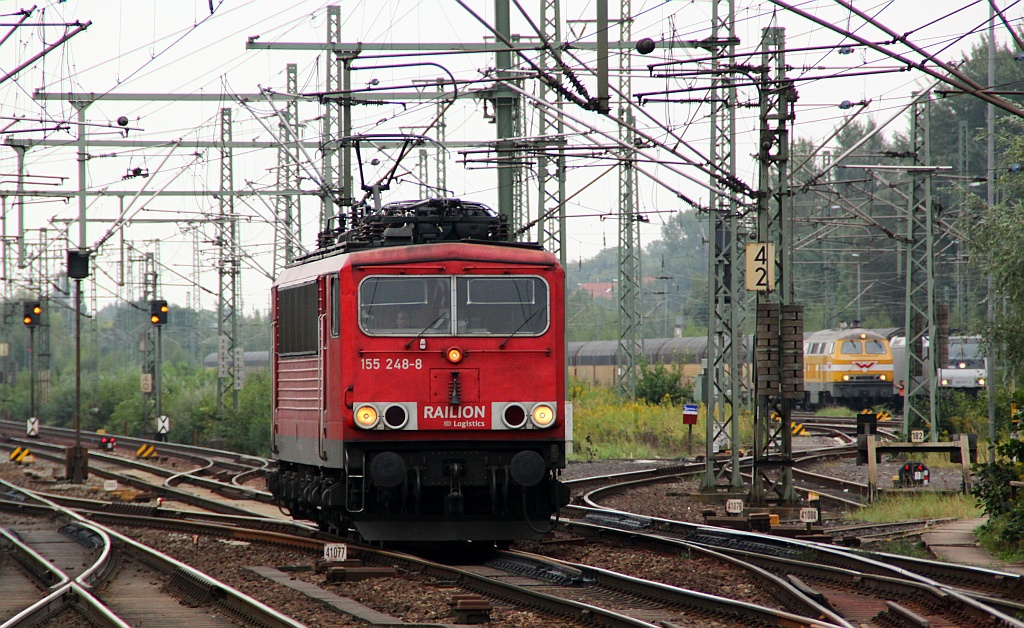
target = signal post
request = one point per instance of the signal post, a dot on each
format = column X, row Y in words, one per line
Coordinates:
column 32, row 314
column 77, row 461
column 158, row 311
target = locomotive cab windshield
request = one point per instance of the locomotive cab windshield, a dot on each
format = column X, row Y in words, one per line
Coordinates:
column 480, row 306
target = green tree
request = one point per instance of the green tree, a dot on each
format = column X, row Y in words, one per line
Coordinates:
column 954, row 109
column 996, row 242
column 678, row 266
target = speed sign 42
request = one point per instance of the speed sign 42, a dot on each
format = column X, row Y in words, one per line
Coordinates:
column 760, row 266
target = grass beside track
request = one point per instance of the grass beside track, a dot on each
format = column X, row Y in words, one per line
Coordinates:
column 605, row 427
column 921, row 505
column 904, row 547
column 993, row 537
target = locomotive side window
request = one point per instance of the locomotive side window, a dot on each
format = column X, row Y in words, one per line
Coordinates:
column 501, row 305
column 335, row 290
column 297, row 310
column 850, row 347
column 409, row 305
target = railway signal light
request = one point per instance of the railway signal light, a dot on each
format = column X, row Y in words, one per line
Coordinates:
column 158, row 312
column 33, row 313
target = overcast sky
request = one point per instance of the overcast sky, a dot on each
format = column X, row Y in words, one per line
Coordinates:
column 180, row 48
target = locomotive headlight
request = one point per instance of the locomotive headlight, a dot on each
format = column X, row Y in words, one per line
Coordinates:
column 846, row 378
column 454, row 355
column 543, row 415
column 945, row 382
column 962, row 365
column 514, row 416
column 881, row 377
column 366, row 417
column 981, row 381
column 395, row 417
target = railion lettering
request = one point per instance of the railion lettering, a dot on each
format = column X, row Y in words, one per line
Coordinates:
column 454, row 412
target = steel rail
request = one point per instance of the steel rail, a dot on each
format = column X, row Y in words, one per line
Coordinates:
column 853, row 567
column 245, row 461
column 67, row 590
column 166, row 512
column 481, row 583
column 157, row 489
column 736, row 609
column 687, row 467
column 174, row 478
column 780, row 587
column 225, row 595
column 666, row 474
column 837, row 483
column 900, row 582
column 990, row 579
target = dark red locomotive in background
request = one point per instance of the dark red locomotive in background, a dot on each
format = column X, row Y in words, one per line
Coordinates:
column 419, row 380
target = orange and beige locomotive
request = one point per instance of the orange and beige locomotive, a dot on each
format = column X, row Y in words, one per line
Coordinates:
column 850, row 367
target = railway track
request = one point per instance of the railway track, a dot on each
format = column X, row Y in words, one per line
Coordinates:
column 84, row 568
column 861, row 586
column 211, row 468
column 624, row 608
column 841, row 493
column 155, row 480
column 865, row 589
column 887, row 531
column 576, row 592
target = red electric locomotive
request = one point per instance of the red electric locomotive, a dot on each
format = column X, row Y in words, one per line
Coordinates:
column 419, row 381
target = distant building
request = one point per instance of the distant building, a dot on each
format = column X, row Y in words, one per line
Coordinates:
column 606, row 289
column 600, row 289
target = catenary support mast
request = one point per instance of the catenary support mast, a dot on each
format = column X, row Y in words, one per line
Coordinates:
column 725, row 336
column 630, row 334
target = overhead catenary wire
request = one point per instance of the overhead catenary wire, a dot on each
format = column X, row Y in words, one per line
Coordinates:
column 957, row 78
column 127, row 212
column 687, row 134
column 571, row 121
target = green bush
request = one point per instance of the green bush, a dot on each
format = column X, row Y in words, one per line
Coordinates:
column 992, row 487
column 1003, row 533
column 659, row 384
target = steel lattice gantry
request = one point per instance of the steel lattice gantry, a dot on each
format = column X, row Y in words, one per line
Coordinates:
column 773, row 447
column 229, row 354
column 725, row 336
column 551, row 172
column 920, row 379
column 441, row 162
column 629, row 227
column 287, row 206
column 506, row 106
column 336, row 167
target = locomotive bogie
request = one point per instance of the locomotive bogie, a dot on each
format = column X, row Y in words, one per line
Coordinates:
column 486, row 491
